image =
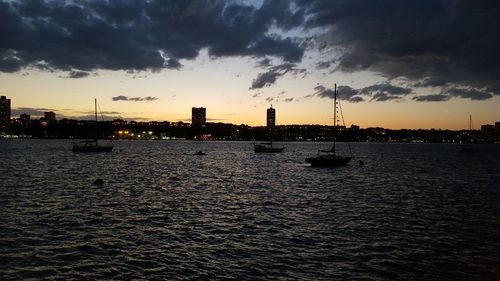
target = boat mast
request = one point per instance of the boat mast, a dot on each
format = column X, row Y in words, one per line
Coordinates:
column 271, row 130
column 95, row 114
column 334, row 117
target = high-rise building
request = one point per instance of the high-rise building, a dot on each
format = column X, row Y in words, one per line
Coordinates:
column 25, row 118
column 49, row 116
column 198, row 116
column 271, row 117
column 4, row 112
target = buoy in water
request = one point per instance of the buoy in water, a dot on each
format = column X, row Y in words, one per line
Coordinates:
column 99, row 182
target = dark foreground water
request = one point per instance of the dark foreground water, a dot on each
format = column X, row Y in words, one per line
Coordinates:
column 412, row 212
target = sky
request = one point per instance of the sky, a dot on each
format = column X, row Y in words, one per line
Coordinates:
column 397, row 63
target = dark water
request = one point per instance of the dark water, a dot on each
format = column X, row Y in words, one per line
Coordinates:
column 412, row 212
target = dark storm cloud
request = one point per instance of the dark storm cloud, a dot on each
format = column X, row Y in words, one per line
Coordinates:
column 436, row 97
column 266, row 62
column 343, row 92
column 385, row 89
column 356, row 99
column 140, row 35
column 472, row 94
column 323, row 64
column 448, row 44
column 441, row 43
column 381, row 96
column 266, row 79
column 125, row 98
column 448, row 93
column 377, row 92
column 77, row 74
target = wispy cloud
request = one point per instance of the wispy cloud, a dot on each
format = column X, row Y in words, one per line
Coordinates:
column 125, row 98
column 268, row 78
column 30, row 111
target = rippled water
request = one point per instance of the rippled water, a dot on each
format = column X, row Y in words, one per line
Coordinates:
column 412, row 211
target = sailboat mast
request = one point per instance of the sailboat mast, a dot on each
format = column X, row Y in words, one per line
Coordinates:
column 95, row 114
column 334, row 116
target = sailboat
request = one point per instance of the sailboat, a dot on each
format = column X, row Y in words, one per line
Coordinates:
column 267, row 147
column 467, row 146
column 92, row 145
column 329, row 158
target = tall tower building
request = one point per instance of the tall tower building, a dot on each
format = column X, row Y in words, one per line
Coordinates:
column 198, row 116
column 271, row 117
column 4, row 112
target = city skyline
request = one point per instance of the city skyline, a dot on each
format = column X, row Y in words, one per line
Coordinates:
column 236, row 58
column 198, row 118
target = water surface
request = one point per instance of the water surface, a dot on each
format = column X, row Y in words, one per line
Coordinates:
column 412, row 211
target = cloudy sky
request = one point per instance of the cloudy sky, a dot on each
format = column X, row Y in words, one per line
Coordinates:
column 398, row 63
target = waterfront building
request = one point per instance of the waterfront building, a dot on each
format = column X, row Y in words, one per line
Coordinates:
column 4, row 112
column 25, row 118
column 198, row 116
column 49, row 116
column 271, row 117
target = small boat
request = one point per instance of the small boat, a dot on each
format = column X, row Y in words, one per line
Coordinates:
column 330, row 158
column 200, row 153
column 92, row 145
column 267, row 147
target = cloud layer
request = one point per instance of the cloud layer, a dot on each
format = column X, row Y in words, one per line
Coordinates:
column 82, row 36
column 448, row 46
column 428, row 43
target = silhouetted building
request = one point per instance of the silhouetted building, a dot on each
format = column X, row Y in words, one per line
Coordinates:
column 4, row 112
column 487, row 128
column 25, row 118
column 354, row 127
column 271, row 117
column 49, row 116
column 497, row 127
column 198, row 116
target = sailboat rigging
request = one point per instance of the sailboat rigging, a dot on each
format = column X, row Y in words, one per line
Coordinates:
column 467, row 145
column 331, row 158
column 92, row 145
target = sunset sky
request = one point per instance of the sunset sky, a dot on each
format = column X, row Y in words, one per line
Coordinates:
column 397, row 64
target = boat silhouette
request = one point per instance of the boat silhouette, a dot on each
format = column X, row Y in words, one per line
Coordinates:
column 93, row 144
column 329, row 158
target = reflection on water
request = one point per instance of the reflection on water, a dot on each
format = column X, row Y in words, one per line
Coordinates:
column 412, row 211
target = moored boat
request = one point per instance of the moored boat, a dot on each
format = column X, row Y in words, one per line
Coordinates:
column 92, row 145
column 329, row 158
column 267, row 147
